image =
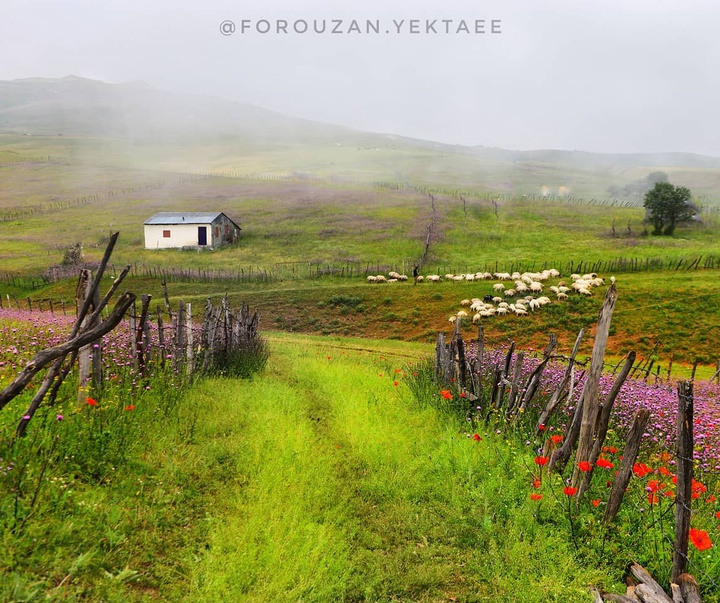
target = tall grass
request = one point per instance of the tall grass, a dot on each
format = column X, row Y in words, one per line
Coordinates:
column 348, row 491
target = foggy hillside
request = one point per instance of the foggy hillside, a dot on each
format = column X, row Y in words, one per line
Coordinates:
column 76, row 106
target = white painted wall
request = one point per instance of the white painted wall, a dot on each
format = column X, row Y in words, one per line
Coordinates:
column 181, row 235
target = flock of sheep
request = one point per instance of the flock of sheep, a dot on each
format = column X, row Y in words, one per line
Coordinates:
column 521, row 293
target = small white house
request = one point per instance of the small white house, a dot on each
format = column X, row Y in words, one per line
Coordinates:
column 173, row 230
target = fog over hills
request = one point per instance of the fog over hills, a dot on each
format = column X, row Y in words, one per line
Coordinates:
column 75, row 106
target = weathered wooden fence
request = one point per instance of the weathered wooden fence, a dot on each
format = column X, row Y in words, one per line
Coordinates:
column 500, row 392
column 210, row 347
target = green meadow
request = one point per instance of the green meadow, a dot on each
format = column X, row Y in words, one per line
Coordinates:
column 323, row 480
column 333, row 475
column 295, row 229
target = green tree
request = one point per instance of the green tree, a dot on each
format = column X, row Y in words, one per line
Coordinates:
column 667, row 206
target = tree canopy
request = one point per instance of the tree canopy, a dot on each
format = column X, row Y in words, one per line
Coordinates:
column 667, row 206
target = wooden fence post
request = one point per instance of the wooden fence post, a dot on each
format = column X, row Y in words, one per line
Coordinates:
column 603, row 420
column 683, row 493
column 592, row 384
column 189, row 340
column 83, row 291
column 557, row 396
column 139, row 332
column 622, row 479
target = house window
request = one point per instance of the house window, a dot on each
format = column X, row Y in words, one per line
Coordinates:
column 166, row 234
column 227, row 229
column 217, row 231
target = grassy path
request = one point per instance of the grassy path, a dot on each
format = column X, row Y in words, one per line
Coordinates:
column 338, row 487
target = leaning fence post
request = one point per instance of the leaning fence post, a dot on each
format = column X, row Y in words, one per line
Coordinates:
column 592, row 384
column 626, row 466
column 84, row 290
column 683, row 494
column 189, row 340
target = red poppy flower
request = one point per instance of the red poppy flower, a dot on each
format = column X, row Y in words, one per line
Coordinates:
column 641, row 469
column 536, row 484
column 697, row 487
column 91, row 402
column 536, row 496
column 596, row 502
column 130, row 407
column 652, row 498
column 585, row 466
column 664, row 471
column 398, row 370
column 541, row 460
column 604, row 463
column 556, row 439
column 445, row 393
column 395, row 383
column 665, row 456
column 717, row 515
column 700, row 539
column 541, row 427
column 653, row 485
column 476, row 437
column 569, row 491
column 463, row 395
column 710, row 499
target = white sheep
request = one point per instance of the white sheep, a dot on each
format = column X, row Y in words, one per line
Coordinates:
column 420, row 278
column 510, row 293
column 562, row 296
column 536, row 286
column 499, row 287
column 465, row 302
column 502, row 311
column 371, row 278
column 380, row 279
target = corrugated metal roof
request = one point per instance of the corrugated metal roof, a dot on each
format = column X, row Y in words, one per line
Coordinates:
column 186, row 217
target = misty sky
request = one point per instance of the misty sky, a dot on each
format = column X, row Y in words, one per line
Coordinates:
column 611, row 76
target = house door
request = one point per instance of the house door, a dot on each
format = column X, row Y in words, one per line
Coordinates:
column 202, row 235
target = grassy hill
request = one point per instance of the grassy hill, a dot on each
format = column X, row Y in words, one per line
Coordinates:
column 86, row 121
column 316, row 199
